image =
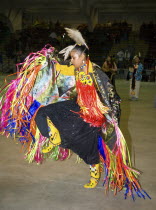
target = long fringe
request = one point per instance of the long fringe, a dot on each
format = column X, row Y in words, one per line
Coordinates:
column 92, row 111
column 119, row 175
column 18, row 108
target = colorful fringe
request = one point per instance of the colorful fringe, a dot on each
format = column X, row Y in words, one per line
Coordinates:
column 92, row 109
column 34, row 86
column 117, row 167
column 117, row 164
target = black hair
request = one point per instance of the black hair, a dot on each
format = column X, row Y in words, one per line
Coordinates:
column 81, row 49
column 111, row 61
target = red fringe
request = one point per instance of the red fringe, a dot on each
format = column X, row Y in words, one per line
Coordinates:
column 87, row 100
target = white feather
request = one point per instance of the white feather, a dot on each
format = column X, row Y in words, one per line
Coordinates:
column 76, row 36
column 66, row 51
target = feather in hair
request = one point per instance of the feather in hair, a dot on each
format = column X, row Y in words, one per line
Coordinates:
column 76, row 36
column 66, row 51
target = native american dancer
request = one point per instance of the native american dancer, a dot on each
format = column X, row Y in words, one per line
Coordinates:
column 54, row 109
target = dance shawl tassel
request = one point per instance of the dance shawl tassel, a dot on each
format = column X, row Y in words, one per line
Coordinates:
column 117, row 167
column 18, row 106
column 117, row 164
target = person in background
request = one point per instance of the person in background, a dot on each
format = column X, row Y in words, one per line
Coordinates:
column 110, row 68
column 135, row 78
column 120, row 57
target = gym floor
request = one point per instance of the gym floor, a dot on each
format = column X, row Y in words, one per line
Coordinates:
column 56, row 185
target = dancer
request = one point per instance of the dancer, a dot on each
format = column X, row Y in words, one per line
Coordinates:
column 80, row 121
column 82, row 115
column 88, row 124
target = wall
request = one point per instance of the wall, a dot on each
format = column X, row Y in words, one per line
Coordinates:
column 135, row 19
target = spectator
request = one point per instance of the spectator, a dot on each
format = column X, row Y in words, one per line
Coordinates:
column 136, row 77
column 110, row 68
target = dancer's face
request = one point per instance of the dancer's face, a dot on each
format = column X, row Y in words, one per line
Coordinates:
column 77, row 59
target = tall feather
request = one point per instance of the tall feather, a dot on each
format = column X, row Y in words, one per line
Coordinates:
column 76, row 36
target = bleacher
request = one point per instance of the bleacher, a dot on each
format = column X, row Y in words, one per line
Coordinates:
column 104, row 40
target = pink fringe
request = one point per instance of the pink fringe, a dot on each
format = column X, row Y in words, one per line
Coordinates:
column 7, row 103
column 63, row 153
column 38, row 155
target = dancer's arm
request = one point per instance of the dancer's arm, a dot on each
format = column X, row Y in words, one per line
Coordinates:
column 65, row 70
